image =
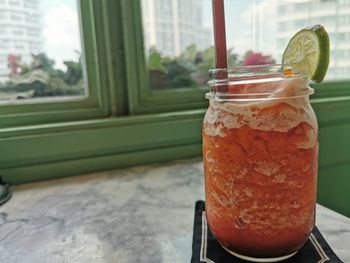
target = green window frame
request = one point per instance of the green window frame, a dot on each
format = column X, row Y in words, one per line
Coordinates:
column 126, row 124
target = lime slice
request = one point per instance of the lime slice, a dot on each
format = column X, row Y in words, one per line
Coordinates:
column 308, row 52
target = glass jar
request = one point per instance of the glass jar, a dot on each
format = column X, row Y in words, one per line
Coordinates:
column 260, row 154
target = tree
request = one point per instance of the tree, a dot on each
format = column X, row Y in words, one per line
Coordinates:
column 190, row 53
column 43, row 62
column 41, row 79
column 189, row 69
column 207, row 62
column 168, row 72
column 178, row 75
column 74, row 72
column 233, row 58
column 154, row 60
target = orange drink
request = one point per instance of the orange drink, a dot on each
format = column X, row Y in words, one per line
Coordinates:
column 260, row 155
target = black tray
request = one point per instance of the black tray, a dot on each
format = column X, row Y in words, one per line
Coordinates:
column 206, row 249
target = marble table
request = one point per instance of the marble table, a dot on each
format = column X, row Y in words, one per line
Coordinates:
column 141, row 214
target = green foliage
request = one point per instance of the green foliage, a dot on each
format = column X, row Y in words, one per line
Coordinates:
column 41, row 79
column 74, row 72
column 189, row 69
column 178, row 75
column 44, row 62
column 190, row 53
column 233, row 58
column 168, row 72
column 58, row 87
column 155, row 61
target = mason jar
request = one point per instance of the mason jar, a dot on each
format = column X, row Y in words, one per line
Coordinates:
column 260, row 152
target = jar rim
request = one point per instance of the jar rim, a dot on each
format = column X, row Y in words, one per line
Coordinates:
column 224, row 97
column 254, row 71
column 258, row 82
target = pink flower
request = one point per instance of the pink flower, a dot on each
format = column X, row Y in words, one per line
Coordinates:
column 257, row 59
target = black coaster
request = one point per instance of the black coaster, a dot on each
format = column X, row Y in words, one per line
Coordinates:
column 206, row 249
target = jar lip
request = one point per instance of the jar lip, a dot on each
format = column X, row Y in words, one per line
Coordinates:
column 258, row 82
column 220, row 75
column 223, row 97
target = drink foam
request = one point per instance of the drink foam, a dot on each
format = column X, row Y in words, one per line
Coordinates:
column 270, row 114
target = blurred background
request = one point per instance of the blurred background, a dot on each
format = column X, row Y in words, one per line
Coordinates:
column 79, row 80
column 93, row 86
column 178, row 41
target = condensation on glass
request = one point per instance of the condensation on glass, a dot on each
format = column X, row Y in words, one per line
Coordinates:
column 41, row 51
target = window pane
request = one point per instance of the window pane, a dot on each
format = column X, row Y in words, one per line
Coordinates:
column 178, row 35
column 40, row 50
column 178, row 39
column 259, row 30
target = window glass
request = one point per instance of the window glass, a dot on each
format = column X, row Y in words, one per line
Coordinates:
column 178, row 42
column 301, row 6
column 261, row 29
column 41, row 52
column 178, row 35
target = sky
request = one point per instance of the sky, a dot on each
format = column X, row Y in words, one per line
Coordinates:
column 61, row 33
column 243, row 18
column 250, row 25
column 60, row 30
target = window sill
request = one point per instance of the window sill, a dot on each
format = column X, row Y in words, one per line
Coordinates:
column 49, row 151
column 55, row 150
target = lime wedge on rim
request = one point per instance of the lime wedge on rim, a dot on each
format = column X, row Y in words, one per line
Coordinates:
column 308, row 52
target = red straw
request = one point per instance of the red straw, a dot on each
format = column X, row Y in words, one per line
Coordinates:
column 219, row 33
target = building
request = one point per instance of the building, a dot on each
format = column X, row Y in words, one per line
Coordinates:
column 292, row 15
column 20, row 32
column 173, row 25
column 259, row 30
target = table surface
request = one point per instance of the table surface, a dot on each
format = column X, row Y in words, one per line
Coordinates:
column 141, row 214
